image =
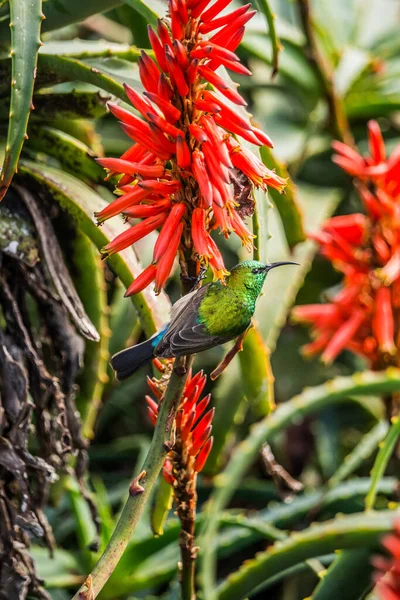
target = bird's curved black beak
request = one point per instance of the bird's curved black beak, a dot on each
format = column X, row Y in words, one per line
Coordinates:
column 279, row 264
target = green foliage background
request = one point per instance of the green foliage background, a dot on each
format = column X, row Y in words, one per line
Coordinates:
column 328, row 436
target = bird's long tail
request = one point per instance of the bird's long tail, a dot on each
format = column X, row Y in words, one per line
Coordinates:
column 128, row 361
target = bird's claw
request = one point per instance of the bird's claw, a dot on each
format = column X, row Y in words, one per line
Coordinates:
column 195, row 280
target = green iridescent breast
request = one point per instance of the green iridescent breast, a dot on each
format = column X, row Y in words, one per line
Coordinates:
column 225, row 311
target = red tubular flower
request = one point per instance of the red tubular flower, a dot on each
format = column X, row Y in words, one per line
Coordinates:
column 183, row 157
column 383, row 322
column 165, row 264
column 142, row 281
column 203, row 455
column 193, row 441
column 343, row 335
column 170, row 226
column 184, row 153
column 364, row 315
column 132, row 235
column 170, row 112
column 120, row 204
column 387, row 576
column 131, row 168
column 200, row 235
column 147, row 210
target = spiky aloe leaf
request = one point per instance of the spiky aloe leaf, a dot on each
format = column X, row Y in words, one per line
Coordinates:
column 257, row 376
column 354, row 531
column 92, row 289
column 84, row 49
column 317, row 204
column 79, row 50
column 74, row 155
column 337, row 390
column 287, row 203
column 151, row 10
column 77, row 103
column 348, row 578
column 59, row 13
column 237, row 533
column 63, row 570
column 81, row 202
column 106, row 73
column 162, row 504
column 26, row 18
column 367, row 445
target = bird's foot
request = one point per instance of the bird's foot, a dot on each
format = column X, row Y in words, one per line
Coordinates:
column 238, row 347
column 196, row 281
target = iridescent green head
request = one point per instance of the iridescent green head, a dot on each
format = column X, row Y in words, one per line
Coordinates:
column 251, row 275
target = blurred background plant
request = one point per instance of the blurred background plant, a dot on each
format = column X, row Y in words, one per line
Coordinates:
column 336, row 66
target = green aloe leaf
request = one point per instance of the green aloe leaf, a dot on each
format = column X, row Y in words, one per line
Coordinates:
column 354, row 531
column 348, row 578
column 62, row 570
column 26, row 18
column 81, row 202
column 107, row 73
column 84, row 49
column 286, row 203
column 151, row 10
column 162, row 504
column 367, row 445
column 55, row 103
column 292, row 65
column 109, row 65
column 257, row 376
column 73, row 154
column 280, row 291
column 60, row 13
column 92, row 289
column 312, row 399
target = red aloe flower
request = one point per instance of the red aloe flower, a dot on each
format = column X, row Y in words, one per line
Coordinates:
column 364, row 316
column 193, row 441
column 387, row 576
column 185, row 150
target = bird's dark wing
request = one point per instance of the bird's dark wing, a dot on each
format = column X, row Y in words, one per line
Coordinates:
column 184, row 334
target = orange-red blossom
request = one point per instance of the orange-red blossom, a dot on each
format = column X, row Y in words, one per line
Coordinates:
column 364, row 315
column 193, row 425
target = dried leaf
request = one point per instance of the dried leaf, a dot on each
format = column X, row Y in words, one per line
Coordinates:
column 53, row 257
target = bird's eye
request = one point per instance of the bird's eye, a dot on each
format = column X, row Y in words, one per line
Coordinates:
column 256, row 271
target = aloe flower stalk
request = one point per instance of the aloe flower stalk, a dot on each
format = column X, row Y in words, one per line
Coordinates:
column 178, row 175
column 187, row 457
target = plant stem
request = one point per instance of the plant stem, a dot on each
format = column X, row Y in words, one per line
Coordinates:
column 186, row 499
column 142, row 485
column 385, row 452
column 256, row 232
column 337, row 114
column 265, row 8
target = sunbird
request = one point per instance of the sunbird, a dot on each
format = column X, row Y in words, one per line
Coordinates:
column 207, row 317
